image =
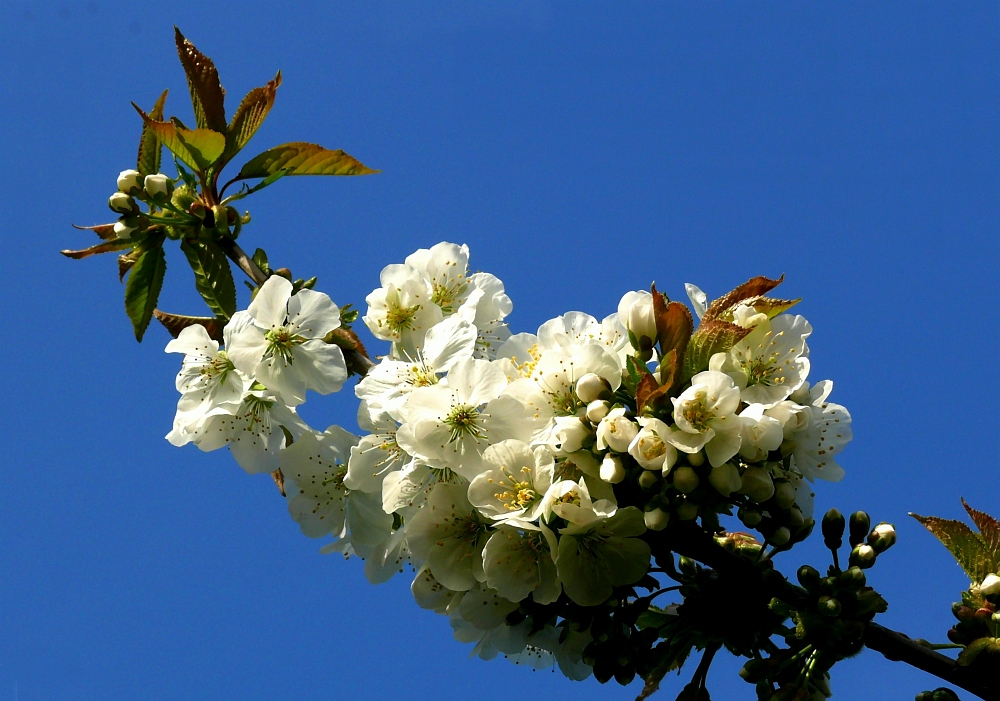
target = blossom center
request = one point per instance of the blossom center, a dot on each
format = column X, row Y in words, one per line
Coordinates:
column 399, row 318
column 697, row 413
column 444, row 294
column 652, row 447
column 521, row 494
column 463, row 420
column 281, row 340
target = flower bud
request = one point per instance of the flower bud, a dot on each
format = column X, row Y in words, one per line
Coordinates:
column 828, row 606
column 616, row 431
column 121, row 203
column 590, row 387
column 860, row 524
column 657, row 519
column 635, row 311
column 725, row 478
column 834, row 524
column 863, row 556
column 158, row 186
column 795, row 519
column 687, row 511
column 808, row 577
column 612, row 469
column 123, row 230
column 882, row 537
column 990, row 585
column 130, row 182
column 685, row 480
column 749, row 517
column 780, row 537
column 570, row 433
column 648, row 479
column 853, row 578
column 757, row 484
column 696, row 459
column 597, row 410
column 784, row 494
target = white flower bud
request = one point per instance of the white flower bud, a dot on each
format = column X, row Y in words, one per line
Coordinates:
column 635, row 311
column 685, row 479
column 590, row 387
column 129, row 181
column 863, row 556
column 882, row 537
column 784, row 494
column 121, row 203
column 612, row 470
column 757, row 484
column 990, row 585
column 124, row 231
column 597, row 410
column 570, row 433
column 616, row 431
column 656, row 520
column 158, row 186
column 687, row 511
column 780, row 537
column 725, row 478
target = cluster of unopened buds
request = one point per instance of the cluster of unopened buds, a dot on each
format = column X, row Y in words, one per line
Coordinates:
column 520, row 476
column 154, row 189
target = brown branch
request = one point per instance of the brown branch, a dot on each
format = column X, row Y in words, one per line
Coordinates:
column 688, row 539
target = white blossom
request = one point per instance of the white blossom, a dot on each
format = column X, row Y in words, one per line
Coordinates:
column 705, row 417
column 449, row 535
column 635, row 311
column 514, row 483
column 616, row 431
column 650, row 446
column 282, row 344
column 402, row 310
column 518, row 561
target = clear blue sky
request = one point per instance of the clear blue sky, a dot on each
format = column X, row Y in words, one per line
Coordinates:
column 581, row 150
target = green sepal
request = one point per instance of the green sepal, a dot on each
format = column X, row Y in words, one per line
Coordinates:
column 213, row 278
column 144, row 284
column 150, row 148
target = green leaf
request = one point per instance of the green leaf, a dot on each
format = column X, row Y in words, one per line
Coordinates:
column 198, row 148
column 185, row 175
column 274, row 177
column 654, row 617
column 207, row 96
column 989, row 530
column 300, row 158
column 713, row 336
column 753, row 288
column 144, row 284
column 175, row 323
column 105, row 247
column 986, row 647
column 249, row 116
column 148, row 160
column 213, row 277
column 260, row 259
column 967, row 547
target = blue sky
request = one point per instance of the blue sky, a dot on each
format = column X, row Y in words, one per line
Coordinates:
column 581, row 150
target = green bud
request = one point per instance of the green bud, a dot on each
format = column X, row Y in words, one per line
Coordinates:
column 863, row 556
column 686, row 565
column 853, row 578
column 648, row 479
column 657, row 519
column 696, row 459
column 685, row 479
column 860, row 525
column 749, row 517
column 808, row 577
column 834, row 524
column 687, row 511
column 784, row 493
column 828, row 606
column 779, row 607
column 780, row 537
column 121, row 203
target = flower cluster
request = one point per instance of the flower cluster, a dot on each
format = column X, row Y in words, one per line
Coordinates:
column 155, row 189
column 522, row 477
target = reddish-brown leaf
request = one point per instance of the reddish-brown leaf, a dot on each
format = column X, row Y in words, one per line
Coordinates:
column 106, row 247
column 175, row 323
column 249, row 116
column 207, row 95
column 674, row 325
column 105, row 231
column 989, row 528
column 713, row 336
column 755, row 287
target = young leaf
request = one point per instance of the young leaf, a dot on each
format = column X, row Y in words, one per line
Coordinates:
column 714, row 336
column 989, row 530
column 300, row 158
column 212, row 276
column 126, row 261
column 105, row 231
column 175, row 323
column 207, row 95
column 674, row 325
column 968, row 548
column 106, row 247
column 148, row 161
column 144, row 284
column 249, row 116
column 198, row 148
column 755, row 287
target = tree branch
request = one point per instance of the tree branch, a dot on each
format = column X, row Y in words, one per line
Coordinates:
column 687, row 539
